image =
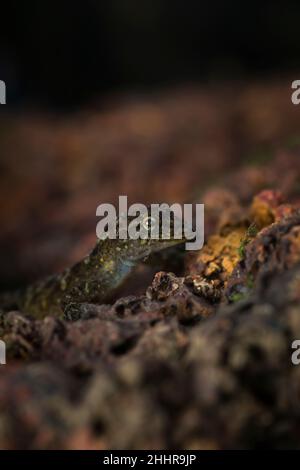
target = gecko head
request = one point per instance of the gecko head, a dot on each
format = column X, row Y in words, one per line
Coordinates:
column 151, row 232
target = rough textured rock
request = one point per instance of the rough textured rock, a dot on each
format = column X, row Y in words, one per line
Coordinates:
column 226, row 382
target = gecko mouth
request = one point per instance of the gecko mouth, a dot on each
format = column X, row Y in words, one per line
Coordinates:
column 154, row 247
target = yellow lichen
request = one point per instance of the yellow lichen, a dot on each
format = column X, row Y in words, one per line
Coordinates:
column 220, row 254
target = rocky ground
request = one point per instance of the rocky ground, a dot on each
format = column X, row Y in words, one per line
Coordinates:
column 195, row 358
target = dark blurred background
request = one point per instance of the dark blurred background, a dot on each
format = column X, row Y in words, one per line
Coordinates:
column 64, row 53
column 163, row 99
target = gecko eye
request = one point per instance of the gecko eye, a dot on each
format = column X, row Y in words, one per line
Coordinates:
column 149, row 222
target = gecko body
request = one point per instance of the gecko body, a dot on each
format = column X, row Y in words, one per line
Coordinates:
column 94, row 278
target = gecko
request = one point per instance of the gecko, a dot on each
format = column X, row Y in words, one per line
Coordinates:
column 95, row 277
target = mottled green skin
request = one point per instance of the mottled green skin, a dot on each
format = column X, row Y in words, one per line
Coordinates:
column 93, row 279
